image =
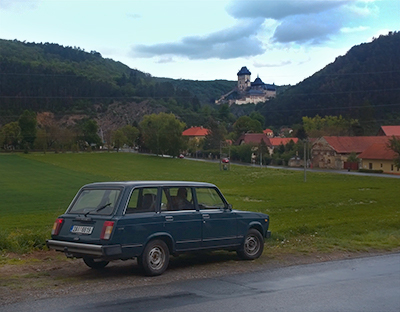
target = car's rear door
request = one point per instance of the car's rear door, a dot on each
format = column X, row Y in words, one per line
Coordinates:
column 140, row 221
column 180, row 218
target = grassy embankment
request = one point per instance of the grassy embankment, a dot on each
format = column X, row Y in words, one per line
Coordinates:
column 328, row 213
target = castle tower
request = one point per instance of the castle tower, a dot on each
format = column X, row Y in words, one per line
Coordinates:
column 243, row 79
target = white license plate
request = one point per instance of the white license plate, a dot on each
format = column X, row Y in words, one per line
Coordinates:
column 81, row 229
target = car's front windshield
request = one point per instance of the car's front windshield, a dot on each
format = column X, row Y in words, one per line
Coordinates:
column 95, row 201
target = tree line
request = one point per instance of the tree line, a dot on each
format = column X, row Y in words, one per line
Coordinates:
column 161, row 134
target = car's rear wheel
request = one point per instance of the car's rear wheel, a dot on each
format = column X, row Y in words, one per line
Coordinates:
column 95, row 263
column 252, row 246
column 155, row 258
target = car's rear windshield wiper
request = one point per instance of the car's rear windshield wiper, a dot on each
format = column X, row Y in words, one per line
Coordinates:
column 98, row 209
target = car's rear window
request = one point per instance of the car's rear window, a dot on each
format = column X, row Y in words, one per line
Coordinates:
column 95, row 201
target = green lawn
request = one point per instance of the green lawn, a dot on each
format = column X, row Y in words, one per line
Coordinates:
column 328, row 212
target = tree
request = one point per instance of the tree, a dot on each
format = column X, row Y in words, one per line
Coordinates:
column 162, row 133
column 246, row 124
column 329, row 125
column 131, row 133
column 54, row 134
column 394, row 145
column 215, row 135
column 353, row 157
column 257, row 116
column 28, row 124
column 11, row 134
column 41, row 140
column 89, row 130
column 119, row 138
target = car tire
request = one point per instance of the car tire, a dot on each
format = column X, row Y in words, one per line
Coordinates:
column 94, row 263
column 155, row 258
column 252, row 246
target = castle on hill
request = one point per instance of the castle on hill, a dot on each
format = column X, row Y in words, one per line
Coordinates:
column 248, row 92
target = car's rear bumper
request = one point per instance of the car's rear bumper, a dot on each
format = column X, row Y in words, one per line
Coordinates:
column 82, row 249
column 267, row 234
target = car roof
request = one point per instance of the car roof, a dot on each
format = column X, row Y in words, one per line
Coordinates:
column 149, row 183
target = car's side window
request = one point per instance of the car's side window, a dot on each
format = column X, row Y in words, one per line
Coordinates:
column 209, row 198
column 177, row 198
column 142, row 200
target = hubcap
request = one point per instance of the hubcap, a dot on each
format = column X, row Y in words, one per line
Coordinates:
column 251, row 245
column 156, row 257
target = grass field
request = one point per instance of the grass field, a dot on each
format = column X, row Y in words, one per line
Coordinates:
column 329, row 212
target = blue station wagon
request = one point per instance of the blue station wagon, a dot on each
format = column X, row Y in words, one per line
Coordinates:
column 149, row 220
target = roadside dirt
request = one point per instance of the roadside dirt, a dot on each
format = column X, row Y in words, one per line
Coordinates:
column 47, row 274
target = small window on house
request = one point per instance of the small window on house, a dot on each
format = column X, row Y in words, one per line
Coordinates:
column 370, row 166
column 391, row 167
column 381, row 165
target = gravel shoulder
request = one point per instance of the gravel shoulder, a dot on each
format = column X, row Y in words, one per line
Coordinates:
column 46, row 274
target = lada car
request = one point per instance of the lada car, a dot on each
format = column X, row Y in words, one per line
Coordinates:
column 149, row 220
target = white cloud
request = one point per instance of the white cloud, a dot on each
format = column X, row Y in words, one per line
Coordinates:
column 233, row 42
column 133, row 15
column 18, row 4
column 280, row 9
column 354, row 29
column 304, row 29
column 165, row 60
column 280, row 64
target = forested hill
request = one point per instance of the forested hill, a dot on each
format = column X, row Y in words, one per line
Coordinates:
column 68, row 80
column 363, row 84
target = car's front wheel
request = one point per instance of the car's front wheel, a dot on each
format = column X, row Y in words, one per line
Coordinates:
column 252, row 246
column 155, row 258
column 95, row 263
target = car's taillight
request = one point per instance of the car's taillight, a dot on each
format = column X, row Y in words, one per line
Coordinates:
column 107, row 229
column 57, row 226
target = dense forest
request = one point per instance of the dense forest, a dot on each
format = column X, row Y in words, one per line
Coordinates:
column 68, row 81
column 364, row 84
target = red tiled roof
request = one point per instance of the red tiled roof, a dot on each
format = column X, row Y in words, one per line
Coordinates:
column 253, row 138
column 391, row 130
column 268, row 131
column 195, row 131
column 346, row 145
column 284, row 141
column 378, row 151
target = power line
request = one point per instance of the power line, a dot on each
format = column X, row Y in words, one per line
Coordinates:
column 87, row 76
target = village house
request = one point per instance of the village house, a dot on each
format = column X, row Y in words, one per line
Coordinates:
column 271, row 143
column 389, row 131
column 253, row 138
column 275, row 142
column 332, row 151
column 269, row 133
column 195, row 133
column 379, row 157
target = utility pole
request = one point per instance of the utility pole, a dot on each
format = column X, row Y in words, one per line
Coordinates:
column 305, row 160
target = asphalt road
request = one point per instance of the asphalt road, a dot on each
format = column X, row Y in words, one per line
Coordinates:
column 364, row 284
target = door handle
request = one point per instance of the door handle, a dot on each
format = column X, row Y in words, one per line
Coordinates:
column 206, row 216
column 169, row 218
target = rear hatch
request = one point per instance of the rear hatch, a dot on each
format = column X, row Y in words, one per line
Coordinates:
column 90, row 217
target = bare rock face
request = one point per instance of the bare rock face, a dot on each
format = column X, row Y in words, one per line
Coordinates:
column 119, row 114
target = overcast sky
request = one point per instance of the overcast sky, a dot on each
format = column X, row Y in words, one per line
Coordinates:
column 281, row 41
